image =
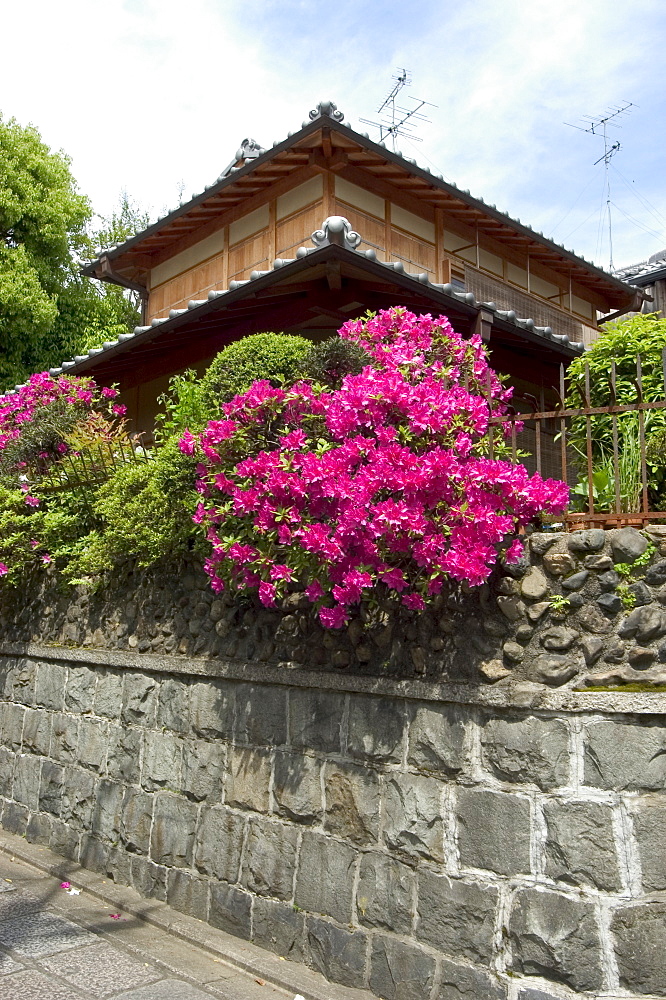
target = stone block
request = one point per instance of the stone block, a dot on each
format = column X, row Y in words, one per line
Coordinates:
column 526, row 749
column 413, row 821
column 532, row 994
column 400, row 971
column 139, row 699
column 67, row 842
column 481, row 814
column 50, row 686
column 640, row 933
column 437, row 739
column 576, row 580
column 279, row 928
column 38, row 829
column 592, row 647
column 325, row 879
column 80, row 689
column 148, row 878
column 203, row 770
column 187, row 893
column 109, row 694
column 385, row 893
column 37, row 731
column 135, row 820
column 15, row 818
column 337, row 954
column 249, row 778
column 107, row 810
column 588, row 540
column 93, row 743
column 27, row 774
column 161, row 762
column 580, row 848
column 626, row 757
column 627, row 544
column 119, row 866
column 555, row 670
column 230, row 910
column 94, row 854
column 534, row 585
column 541, row 541
column 23, row 676
column 643, row 624
column 655, row 575
column 460, row 982
column 269, row 859
column 12, row 726
column 559, row 563
column 219, row 842
column 649, row 827
column 64, row 738
column 123, row 762
column 351, row 795
column 315, row 719
column 7, row 758
column 297, row 787
column 375, row 728
column 556, row 936
column 261, row 715
column 211, row 709
column 173, row 705
column 456, row 917
column 593, row 620
column 172, row 834
column 51, row 788
column 78, row 798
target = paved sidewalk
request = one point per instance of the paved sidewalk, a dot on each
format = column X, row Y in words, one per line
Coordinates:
column 105, row 941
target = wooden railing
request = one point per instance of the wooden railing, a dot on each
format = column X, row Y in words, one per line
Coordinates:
column 541, row 438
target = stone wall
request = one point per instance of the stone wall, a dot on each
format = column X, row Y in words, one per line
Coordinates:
column 562, row 617
column 428, row 841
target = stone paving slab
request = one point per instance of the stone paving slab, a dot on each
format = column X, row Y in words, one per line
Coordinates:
column 38, row 934
column 101, row 969
column 151, row 953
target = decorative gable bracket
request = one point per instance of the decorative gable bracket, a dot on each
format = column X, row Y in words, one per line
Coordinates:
column 336, row 231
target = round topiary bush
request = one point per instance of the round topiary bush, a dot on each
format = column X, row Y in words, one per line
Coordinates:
column 276, row 357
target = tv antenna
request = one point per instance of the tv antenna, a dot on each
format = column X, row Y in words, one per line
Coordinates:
column 397, row 120
column 600, row 126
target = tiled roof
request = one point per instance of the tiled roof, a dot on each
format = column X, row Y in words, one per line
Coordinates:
column 645, row 272
column 335, row 231
column 251, row 153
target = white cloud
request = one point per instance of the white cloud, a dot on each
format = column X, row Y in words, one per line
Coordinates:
column 144, row 94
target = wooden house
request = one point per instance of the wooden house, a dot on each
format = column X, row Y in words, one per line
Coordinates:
column 323, row 226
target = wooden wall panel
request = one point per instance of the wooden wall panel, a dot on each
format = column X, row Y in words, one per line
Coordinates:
column 295, row 231
column 372, row 230
column 416, row 254
column 248, row 256
column 192, row 284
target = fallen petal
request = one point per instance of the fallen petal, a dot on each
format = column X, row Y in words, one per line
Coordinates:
column 65, row 885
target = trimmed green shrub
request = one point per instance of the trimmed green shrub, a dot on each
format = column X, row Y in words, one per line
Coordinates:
column 332, row 359
column 277, row 357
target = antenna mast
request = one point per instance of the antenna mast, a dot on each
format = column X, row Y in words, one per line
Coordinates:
column 398, row 120
column 600, row 126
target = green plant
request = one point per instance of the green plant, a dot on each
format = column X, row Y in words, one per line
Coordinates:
column 626, row 596
column 332, row 359
column 628, row 569
column 559, row 605
column 277, row 357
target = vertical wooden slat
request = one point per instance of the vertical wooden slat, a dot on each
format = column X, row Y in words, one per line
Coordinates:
column 563, row 429
column 588, row 442
column 641, row 434
column 616, row 447
column 537, row 441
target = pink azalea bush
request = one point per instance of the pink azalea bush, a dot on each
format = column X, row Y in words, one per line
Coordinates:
column 382, row 485
column 36, row 420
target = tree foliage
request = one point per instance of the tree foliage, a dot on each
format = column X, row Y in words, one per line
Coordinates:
column 48, row 312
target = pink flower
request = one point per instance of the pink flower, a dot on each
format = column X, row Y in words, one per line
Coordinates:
column 314, row 591
column 46, row 559
column 187, row 443
column 514, row 551
column 31, row 501
column 333, row 617
column 4, row 570
column 119, row 409
column 267, row 594
column 109, row 393
column 413, row 601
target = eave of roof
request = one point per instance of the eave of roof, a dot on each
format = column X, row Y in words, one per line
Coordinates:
column 445, row 297
column 191, row 215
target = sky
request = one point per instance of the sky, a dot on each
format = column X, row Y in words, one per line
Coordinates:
column 153, row 97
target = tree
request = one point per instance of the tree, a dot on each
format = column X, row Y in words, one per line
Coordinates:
column 47, row 310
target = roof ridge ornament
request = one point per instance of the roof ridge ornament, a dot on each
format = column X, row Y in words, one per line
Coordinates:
column 336, row 231
column 328, row 109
